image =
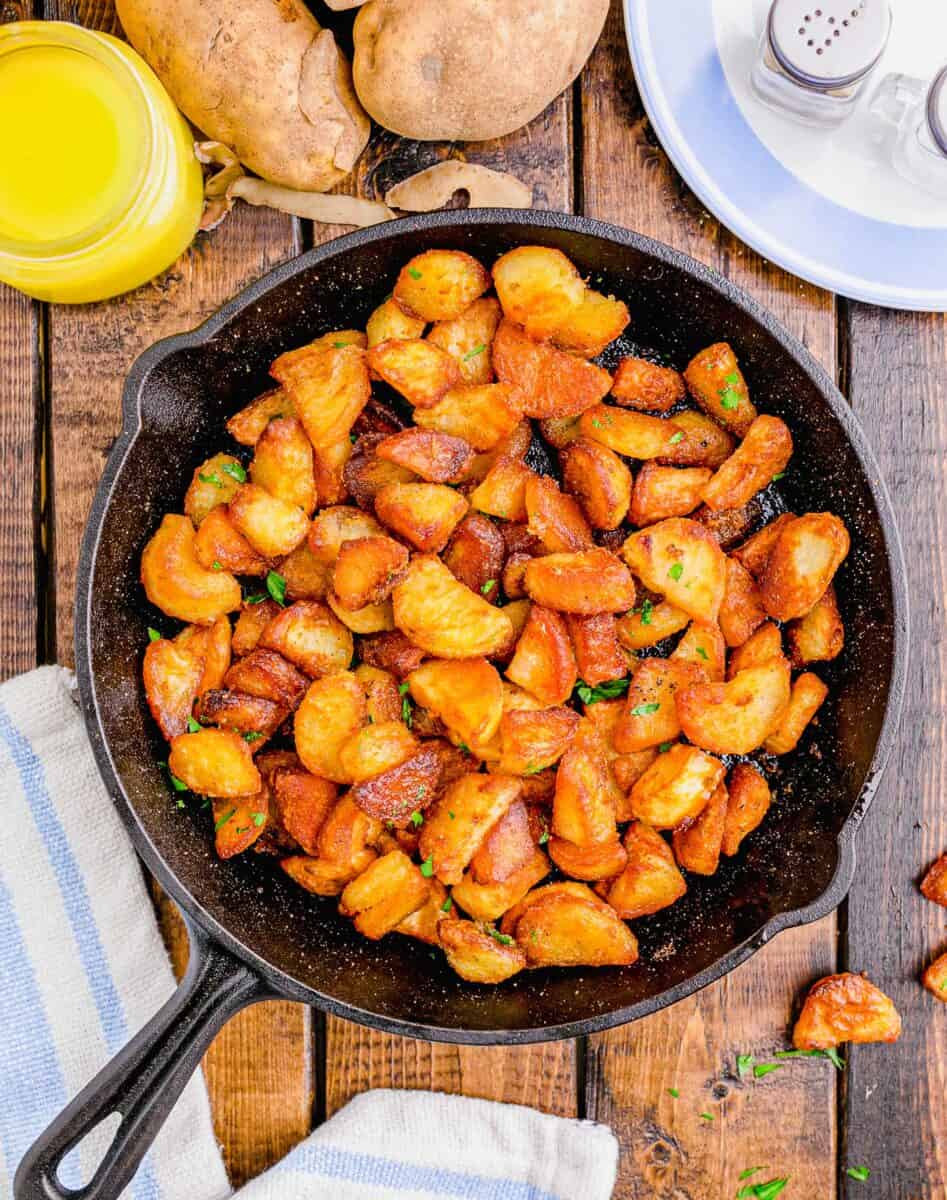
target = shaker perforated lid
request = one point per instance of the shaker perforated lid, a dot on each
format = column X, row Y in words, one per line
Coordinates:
column 937, row 109
column 827, row 44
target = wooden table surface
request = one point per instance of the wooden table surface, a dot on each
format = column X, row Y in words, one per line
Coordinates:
column 279, row 1068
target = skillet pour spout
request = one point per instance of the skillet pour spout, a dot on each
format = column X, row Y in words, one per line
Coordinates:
column 253, row 934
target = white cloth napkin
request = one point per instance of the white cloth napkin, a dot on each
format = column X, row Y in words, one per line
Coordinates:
column 82, row 968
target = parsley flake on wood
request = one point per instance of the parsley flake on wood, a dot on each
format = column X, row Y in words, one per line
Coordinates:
column 761, row 1070
column 474, row 352
column 644, row 710
column 674, row 1092
column 859, row 1173
column 762, row 1191
column 427, row 867
column 236, row 471
column 744, row 1063
column 831, row 1054
column 706, row 1116
column 748, row 1172
column 675, row 571
column 276, row 586
column 153, row 635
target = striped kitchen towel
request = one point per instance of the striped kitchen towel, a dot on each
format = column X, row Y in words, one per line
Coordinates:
column 82, row 967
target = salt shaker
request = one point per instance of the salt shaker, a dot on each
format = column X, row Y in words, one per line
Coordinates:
column 815, row 57
column 916, row 111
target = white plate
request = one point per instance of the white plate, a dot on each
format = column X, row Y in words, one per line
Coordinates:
column 825, row 205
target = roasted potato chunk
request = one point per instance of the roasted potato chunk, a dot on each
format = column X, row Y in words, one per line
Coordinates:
column 703, row 444
column 598, row 653
column 323, row 876
column 390, row 322
column 805, row 699
column 477, row 802
column 439, row 285
column 651, row 879
column 603, row 861
column 730, row 525
column 172, row 677
column 807, row 553
column 219, row 547
column 679, row 559
column 647, row 387
column 373, row 618
column 332, row 711
column 748, row 803
column 818, row 636
column 503, row 491
column 175, row 582
column 302, row 802
column 703, row 646
column 599, row 480
column 544, row 663
column 425, row 514
column 548, row 382
column 475, row 555
column 211, row 644
column 467, row 695
column 506, row 849
column 583, row 810
column 478, row 956
column 376, row 748
column 365, row 474
column 416, row 368
column 387, row 891
column 534, row 740
column 764, row 645
column 435, row 457
column 328, row 385
column 238, row 823
column 445, row 618
column 539, row 288
column 311, row 637
column 742, row 611
column 424, row 921
column 402, row 790
column 366, row 570
column 649, row 624
column 633, row 434
column 589, row 582
column 736, row 717
column 935, row 978
column 697, row 845
column 554, row 518
column 650, row 714
column 306, row 577
column 755, row 551
column 676, row 787
column 283, row 464
column 934, row 885
column 559, row 928
column 332, row 527
column 481, row 415
column 267, row 674
column 763, row 454
column 489, row 901
column 251, row 716
column 214, row 762
column 247, row 425
column 589, row 328
column 271, row 526
column 845, row 1008
column 716, row 382
column 468, row 338
column 392, row 652
column 214, row 483
column 662, row 492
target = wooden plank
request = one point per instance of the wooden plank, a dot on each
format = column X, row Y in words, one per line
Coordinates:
column 259, row 1068
column 786, row 1122
column 895, row 1105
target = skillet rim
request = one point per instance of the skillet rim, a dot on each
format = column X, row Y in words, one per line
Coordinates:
column 285, row 985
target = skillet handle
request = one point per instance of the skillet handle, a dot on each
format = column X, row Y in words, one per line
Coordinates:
column 144, row 1079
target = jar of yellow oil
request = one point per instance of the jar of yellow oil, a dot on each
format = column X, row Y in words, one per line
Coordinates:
column 99, row 187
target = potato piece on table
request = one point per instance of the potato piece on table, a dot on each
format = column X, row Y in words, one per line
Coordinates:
column 662, row 492
column 409, row 787
column 598, row 653
column 283, row 464
column 534, row 740
column 763, row 646
column 703, row 645
column 507, row 847
column 329, row 387
column 481, row 415
column 387, row 891
column 390, row 322
column 175, row 582
column 376, row 748
column 325, row 877
column 302, row 802
column 332, row 711
column 935, row 978
column 845, row 1008
column 544, row 662
column 172, row 677
column 254, row 718
column 538, row 287
column 649, row 624
column 819, row 636
column 502, row 493
column 741, row 612
column 247, row 425
column 651, row 879
column 599, row 480
column 589, row 582
column 214, row 483
column 697, row 845
column 445, row 618
column 597, row 321
column 585, row 800
column 366, row 570
column 554, row 518
column 647, row 387
column 425, row 514
column 679, row 559
column 807, row 553
column 755, row 551
column 650, row 714
column 214, row 762
column 633, row 434
column 267, row 674
column 736, row 717
column 489, row 901
column 239, row 823
column 476, row 554
column 676, row 787
column 218, row 546
column 716, row 382
column 562, row 929
column 435, row 457
column 934, row 885
column 548, row 382
column 477, row 802
column 467, row 695
column 749, row 800
column 306, row 577
column 439, row 285
column 477, row 956
column 469, row 337
column 764, row 452
column 604, row 860
column 271, row 526
column 336, row 525
column 311, row 637
column 805, row 699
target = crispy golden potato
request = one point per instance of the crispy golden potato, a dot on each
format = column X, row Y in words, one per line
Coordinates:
column 323, row 877
column 650, row 714
column 478, row 956
column 252, row 716
column 560, row 431
column 332, row 711
column 730, row 525
column 267, row 674
column 588, row 329
column 175, row 582
column 467, row 695
column 679, row 559
column 736, row 717
column 271, row 526
column 676, row 787
column 749, row 799
column 387, row 891
column 628, row 769
column 172, row 676
column 633, row 434
column 469, row 337
column 807, row 553
column 599, row 480
column 506, row 849
column 845, row 1008
column 544, row 662
column 662, row 492
column 346, row 833
column 703, row 444
column 302, row 802
column 238, row 823
column 592, row 581
column 647, row 387
column 212, row 645
column 477, row 802
column 372, row 618
column 376, row 748
column 568, row 887
column 247, row 425
column 697, row 845
column 819, row 636
column 306, row 577
column 283, row 464
column 534, row 740
column 765, row 645
column 764, row 452
column 585, row 800
column 425, row 514
column 514, row 575
column 755, row 551
column 409, row 787
column 390, row 322
column 381, row 693
column 935, row 978
column 311, row 637
column 393, row 652
column 934, row 885
column 445, row 618
column 716, row 382
column 602, row 861
column 365, row 474
column 219, row 547
column 538, row 287
column 651, row 879
column 554, row 518
column 214, row 762
column 329, row 387
column 416, row 368
column 435, row 457
column 481, row 415
column 475, row 555
column 598, row 653
column 366, row 570
column 336, row 339
column 649, row 624
column 489, row 901
column 563, row 929
column 742, row 611
column 704, row 646
column 332, row 527
column 503, row 491
column 424, row 921
column 439, row 285
column 805, row 700
column 214, row 483
column 548, row 382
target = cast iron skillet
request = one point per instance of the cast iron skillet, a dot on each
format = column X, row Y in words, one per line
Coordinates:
column 254, row 934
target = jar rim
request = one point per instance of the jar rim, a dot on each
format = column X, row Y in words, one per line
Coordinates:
column 101, row 48
column 937, row 109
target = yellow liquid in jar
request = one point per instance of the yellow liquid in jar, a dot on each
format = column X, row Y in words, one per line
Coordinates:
column 70, row 144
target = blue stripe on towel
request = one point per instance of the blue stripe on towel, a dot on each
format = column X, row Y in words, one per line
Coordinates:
column 371, row 1171
column 79, row 912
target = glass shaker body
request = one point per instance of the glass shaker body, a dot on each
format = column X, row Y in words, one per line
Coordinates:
column 915, row 114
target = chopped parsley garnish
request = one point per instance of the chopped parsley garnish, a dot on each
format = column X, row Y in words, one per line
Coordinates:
column 647, row 608
column 414, row 273
column 610, row 690
column 676, row 437
column 675, row 571
column 225, row 818
column 674, row 1092
column 706, row 1116
column 533, row 769
column 463, row 747
column 729, row 397
column 353, row 438
column 733, row 378
column 178, row 784
column 596, row 423
column 453, row 816
column 474, row 352
column 257, row 598
column 153, row 635
column 236, row 471
column 831, row 1054
column 276, row 586
column 427, row 867
column 252, row 736
column 544, row 837
column 779, row 475
column 193, row 726
column 211, row 477
column 448, row 904
column 503, row 938
column 744, row 1063
column 340, row 345
column 703, row 654
column 859, row 1173
column 488, row 586
column 761, row 1070
column 664, row 747
column 748, row 1172
column 419, row 794
column 215, row 565
column 762, row 1191
column 417, row 819
column 407, row 713
column 258, row 818
column 644, row 710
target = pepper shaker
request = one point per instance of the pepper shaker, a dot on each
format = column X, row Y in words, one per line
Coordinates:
column 815, row 57
column 916, row 111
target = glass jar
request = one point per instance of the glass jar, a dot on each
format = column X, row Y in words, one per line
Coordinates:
column 100, row 190
column 912, row 128
column 815, row 57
